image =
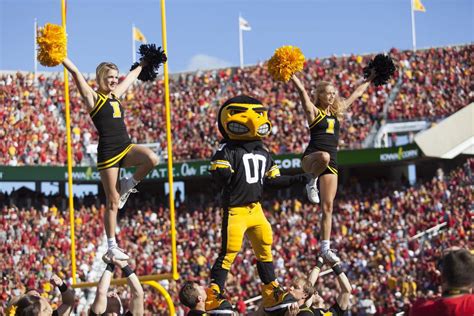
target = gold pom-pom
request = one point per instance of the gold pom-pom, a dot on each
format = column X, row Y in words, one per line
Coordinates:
column 11, row 311
column 52, row 45
column 286, row 61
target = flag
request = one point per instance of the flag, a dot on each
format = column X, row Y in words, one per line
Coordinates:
column 138, row 35
column 418, row 6
column 244, row 25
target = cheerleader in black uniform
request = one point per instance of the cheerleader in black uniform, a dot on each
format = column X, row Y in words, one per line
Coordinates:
column 115, row 148
column 320, row 157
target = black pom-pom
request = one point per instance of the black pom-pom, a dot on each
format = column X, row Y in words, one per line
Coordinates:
column 152, row 57
column 384, row 69
column 147, row 73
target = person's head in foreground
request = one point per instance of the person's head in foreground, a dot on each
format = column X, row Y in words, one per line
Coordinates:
column 193, row 295
column 302, row 290
column 114, row 304
column 457, row 271
column 33, row 305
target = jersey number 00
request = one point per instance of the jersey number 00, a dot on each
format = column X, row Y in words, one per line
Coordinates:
column 254, row 167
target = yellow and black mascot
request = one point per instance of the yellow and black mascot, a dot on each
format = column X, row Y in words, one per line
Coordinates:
column 241, row 168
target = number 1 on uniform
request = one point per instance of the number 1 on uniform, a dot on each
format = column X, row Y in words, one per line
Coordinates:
column 116, row 107
column 330, row 129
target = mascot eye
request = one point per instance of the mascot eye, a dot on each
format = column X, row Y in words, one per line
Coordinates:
column 260, row 110
column 234, row 111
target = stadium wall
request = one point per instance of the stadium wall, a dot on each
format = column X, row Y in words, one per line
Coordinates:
column 199, row 168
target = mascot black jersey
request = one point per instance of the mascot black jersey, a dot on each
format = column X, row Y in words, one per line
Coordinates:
column 249, row 163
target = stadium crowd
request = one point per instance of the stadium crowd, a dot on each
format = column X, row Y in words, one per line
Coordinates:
column 434, row 83
column 387, row 268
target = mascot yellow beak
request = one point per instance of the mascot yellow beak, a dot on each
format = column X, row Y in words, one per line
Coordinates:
column 244, row 118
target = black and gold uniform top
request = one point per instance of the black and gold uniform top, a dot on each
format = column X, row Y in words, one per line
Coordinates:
column 195, row 312
column 334, row 310
column 240, row 169
column 107, row 116
column 324, row 133
column 114, row 142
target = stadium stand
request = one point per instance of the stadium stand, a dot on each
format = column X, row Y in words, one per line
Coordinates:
column 384, row 264
column 431, row 84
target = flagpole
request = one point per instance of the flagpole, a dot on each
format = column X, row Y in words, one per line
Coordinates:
column 134, row 57
column 241, row 45
column 413, row 32
column 35, row 53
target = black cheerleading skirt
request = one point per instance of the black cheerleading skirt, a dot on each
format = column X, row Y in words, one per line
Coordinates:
column 332, row 167
column 111, row 153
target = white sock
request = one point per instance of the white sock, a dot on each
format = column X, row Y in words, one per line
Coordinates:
column 129, row 183
column 135, row 182
column 111, row 243
column 314, row 182
column 325, row 245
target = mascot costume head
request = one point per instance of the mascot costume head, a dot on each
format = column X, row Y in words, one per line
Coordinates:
column 243, row 118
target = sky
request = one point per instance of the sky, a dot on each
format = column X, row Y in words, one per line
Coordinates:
column 204, row 33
